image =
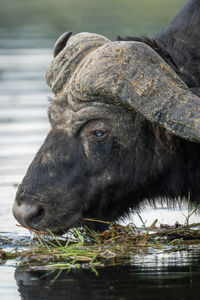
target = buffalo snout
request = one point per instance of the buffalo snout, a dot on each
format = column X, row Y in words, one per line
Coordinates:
column 28, row 214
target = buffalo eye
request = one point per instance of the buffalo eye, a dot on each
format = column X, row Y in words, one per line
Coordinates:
column 95, row 131
column 99, row 133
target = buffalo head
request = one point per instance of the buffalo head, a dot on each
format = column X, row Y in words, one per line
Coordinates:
column 118, row 118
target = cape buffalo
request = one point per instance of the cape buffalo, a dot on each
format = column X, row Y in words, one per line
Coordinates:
column 125, row 127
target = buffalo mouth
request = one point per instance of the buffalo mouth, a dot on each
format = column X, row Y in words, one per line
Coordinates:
column 34, row 218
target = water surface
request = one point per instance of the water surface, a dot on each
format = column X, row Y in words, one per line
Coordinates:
column 147, row 276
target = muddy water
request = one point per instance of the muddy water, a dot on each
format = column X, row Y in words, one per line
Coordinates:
column 23, row 127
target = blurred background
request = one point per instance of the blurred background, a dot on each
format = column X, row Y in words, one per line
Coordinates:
column 39, row 20
column 28, row 30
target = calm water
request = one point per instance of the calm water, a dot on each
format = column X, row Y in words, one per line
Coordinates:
column 146, row 276
column 23, row 127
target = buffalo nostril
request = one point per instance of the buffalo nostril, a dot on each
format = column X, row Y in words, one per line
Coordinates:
column 29, row 215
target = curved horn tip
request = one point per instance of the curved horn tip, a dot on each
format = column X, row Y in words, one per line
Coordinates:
column 61, row 42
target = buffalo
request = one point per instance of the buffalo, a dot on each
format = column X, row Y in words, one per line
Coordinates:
column 125, row 126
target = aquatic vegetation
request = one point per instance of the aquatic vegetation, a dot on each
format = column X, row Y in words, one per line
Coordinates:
column 85, row 248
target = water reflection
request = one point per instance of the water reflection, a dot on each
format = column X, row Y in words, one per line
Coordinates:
column 172, row 276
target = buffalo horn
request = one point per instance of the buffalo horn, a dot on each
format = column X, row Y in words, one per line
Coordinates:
column 61, row 43
column 132, row 75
